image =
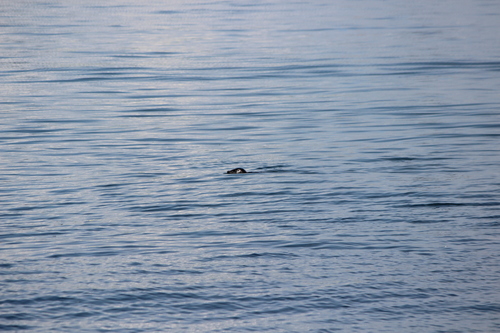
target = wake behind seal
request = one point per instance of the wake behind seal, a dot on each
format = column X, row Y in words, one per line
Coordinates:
column 237, row 170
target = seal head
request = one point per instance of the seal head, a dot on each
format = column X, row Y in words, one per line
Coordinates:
column 237, row 170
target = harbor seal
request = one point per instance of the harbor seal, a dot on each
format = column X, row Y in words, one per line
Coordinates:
column 237, row 170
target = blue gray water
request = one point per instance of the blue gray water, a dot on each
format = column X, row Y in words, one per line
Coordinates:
column 371, row 129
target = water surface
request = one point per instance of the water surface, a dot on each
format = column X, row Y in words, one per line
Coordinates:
column 371, row 129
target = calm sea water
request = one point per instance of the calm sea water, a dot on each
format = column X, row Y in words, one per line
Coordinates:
column 371, row 129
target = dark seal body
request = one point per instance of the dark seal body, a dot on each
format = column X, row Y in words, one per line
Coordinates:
column 237, row 170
